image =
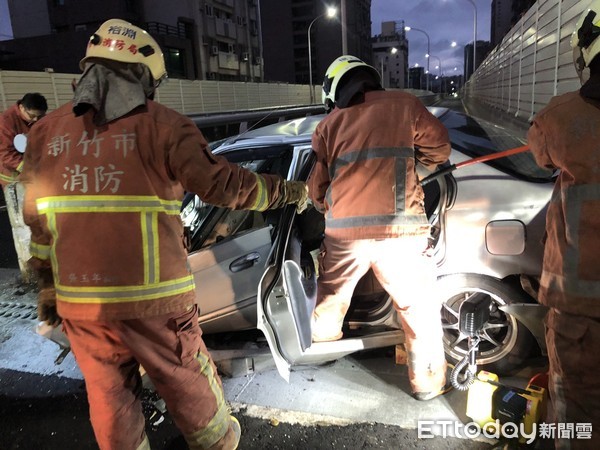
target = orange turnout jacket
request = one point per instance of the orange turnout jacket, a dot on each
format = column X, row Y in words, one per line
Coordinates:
column 103, row 207
column 11, row 161
column 365, row 179
column 565, row 135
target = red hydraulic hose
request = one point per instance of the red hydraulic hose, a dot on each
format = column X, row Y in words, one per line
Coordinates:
column 453, row 167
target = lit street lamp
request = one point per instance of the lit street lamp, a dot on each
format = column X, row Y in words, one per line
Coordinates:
column 474, row 33
column 427, row 56
column 441, row 72
column 393, row 51
column 330, row 13
column 439, row 67
column 439, row 64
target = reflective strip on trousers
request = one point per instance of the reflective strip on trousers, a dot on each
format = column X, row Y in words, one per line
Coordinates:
column 572, row 199
column 219, row 424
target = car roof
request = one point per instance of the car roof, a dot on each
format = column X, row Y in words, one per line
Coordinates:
column 290, row 132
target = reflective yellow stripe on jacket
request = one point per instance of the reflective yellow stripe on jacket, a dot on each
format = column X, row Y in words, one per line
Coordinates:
column 8, row 178
column 39, row 251
column 262, row 196
column 397, row 156
column 148, row 207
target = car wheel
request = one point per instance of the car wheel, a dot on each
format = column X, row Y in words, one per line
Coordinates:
column 506, row 343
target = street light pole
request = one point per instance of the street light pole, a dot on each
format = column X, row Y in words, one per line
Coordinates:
column 440, row 72
column 393, row 51
column 428, row 53
column 474, row 33
column 344, row 19
column 331, row 12
column 439, row 64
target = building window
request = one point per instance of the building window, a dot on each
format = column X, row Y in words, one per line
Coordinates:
column 59, row 2
column 175, row 62
column 208, row 9
column 61, row 29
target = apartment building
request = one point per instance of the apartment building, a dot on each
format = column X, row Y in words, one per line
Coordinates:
column 285, row 27
column 202, row 39
column 390, row 55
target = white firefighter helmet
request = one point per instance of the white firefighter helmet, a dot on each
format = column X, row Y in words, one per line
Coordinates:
column 585, row 40
column 336, row 70
column 119, row 40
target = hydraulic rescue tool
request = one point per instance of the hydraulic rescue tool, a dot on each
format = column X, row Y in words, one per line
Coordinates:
column 473, row 315
column 480, row 159
column 491, row 404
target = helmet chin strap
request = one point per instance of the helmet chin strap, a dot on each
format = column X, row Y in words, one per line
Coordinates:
column 584, row 75
column 583, row 72
column 329, row 106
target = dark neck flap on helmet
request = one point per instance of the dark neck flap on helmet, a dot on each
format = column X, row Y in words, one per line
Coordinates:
column 353, row 87
column 113, row 89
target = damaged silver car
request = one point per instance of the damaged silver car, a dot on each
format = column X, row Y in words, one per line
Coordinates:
column 258, row 270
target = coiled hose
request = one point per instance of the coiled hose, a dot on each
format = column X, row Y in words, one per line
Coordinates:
column 469, row 361
column 469, row 376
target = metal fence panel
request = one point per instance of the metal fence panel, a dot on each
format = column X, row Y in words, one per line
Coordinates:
column 184, row 96
column 538, row 62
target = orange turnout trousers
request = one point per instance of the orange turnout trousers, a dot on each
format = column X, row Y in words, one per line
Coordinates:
column 574, row 381
column 408, row 276
column 171, row 350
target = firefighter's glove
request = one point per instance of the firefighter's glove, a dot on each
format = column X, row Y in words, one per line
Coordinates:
column 295, row 193
column 46, row 307
column 423, row 172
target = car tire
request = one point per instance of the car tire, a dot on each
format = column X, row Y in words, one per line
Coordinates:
column 507, row 343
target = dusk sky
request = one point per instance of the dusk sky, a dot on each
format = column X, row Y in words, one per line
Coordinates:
column 443, row 20
column 5, row 31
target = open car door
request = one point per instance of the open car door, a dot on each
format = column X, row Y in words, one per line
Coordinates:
column 287, row 294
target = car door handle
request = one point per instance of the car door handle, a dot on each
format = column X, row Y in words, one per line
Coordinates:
column 244, row 262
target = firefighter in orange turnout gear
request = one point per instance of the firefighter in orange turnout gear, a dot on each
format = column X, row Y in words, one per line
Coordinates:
column 365, row 181
column 565, row 135
column 17, row 119
column 104, row 178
